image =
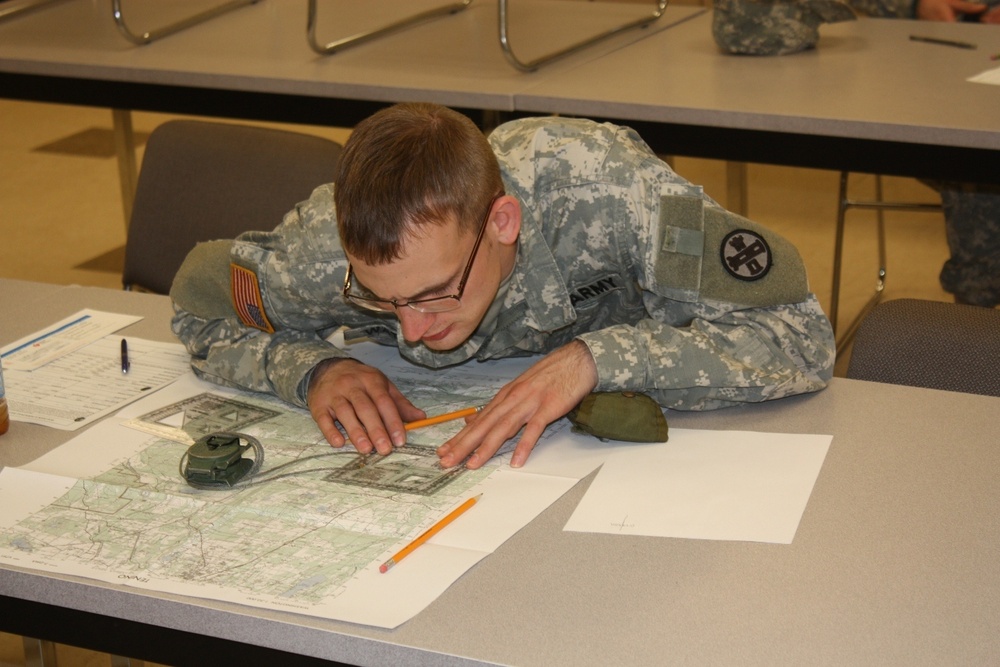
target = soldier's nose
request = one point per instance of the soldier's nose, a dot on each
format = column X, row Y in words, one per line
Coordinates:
column 414, row 324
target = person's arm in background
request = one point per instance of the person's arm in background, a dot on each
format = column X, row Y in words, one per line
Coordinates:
column 954, row 10
column 929, row 10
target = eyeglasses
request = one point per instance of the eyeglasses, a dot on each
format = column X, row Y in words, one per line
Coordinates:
column 437, row 304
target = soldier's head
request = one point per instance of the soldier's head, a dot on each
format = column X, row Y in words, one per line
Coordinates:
column 408, row 166
column 424, row 221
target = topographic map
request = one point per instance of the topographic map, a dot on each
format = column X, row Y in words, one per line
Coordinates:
column 313, row 522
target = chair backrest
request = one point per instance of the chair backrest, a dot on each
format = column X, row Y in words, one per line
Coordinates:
column 929, row 344
column 202, row 181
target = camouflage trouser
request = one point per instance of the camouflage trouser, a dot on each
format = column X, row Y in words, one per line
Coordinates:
column 972, row 223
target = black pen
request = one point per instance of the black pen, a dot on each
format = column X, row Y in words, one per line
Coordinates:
column 943, row 42
column 125, row 363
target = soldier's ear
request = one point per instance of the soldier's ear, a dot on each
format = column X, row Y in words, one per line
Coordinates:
column 507, row 219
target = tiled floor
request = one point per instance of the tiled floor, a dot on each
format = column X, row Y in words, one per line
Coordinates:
column 61, row 221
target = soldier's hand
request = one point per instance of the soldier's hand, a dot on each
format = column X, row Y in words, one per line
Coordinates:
column 535, row 399
column 946, row 10
column 365, row 402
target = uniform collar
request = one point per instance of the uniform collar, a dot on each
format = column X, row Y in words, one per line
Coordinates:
column 538, row 281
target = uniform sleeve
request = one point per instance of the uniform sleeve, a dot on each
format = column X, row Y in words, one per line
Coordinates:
column 729, row 317
column 720, row 357
column 254, row 312
column 226, row 352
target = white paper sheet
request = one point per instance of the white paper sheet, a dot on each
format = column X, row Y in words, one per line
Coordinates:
column 87, row 383
column 63, row 337
column 990, row 76
column 714, row 485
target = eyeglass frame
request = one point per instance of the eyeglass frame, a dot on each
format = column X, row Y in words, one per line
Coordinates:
column 370, row 303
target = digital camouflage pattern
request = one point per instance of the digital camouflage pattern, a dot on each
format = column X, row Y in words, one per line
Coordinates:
column 972, row 214
column 599, row 260
column 773, row 27
column 896, row 9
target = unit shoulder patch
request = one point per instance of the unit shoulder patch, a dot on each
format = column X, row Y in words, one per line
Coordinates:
column 754, row 266
column 745, row 255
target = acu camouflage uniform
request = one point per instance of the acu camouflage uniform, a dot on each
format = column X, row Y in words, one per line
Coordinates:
column 972, row 225
column 615, row 249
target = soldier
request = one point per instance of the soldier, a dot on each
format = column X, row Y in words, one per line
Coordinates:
column 971, row 211
column 555, row 237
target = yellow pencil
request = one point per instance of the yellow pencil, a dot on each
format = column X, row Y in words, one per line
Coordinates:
column 447, row 417
column 428, row 534
column 431, row 421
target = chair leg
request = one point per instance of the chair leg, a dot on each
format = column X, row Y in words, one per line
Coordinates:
column 42, row 653
column 838, row 249
column 880, row 279
column 660, row 6
column 39, row 652
column 153, row 35
column 128, row 173
column 19, row 9
column 879, row 205
column 737, row 199
column 360, row 38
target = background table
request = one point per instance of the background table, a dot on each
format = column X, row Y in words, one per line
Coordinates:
column 866, row 99
column 255, row 62
column 894, row 562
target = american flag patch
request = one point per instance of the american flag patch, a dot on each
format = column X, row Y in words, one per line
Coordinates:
column 247, row 300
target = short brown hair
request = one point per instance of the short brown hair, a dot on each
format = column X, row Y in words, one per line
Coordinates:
column 411, row 164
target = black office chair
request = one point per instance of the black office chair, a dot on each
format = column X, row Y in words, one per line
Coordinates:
column 929, row 344
column 202, row 181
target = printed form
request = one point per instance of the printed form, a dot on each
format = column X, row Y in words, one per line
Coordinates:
column 70, row 374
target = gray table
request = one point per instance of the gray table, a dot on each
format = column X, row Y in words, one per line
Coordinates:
column 255, row 62
column 894, row 562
